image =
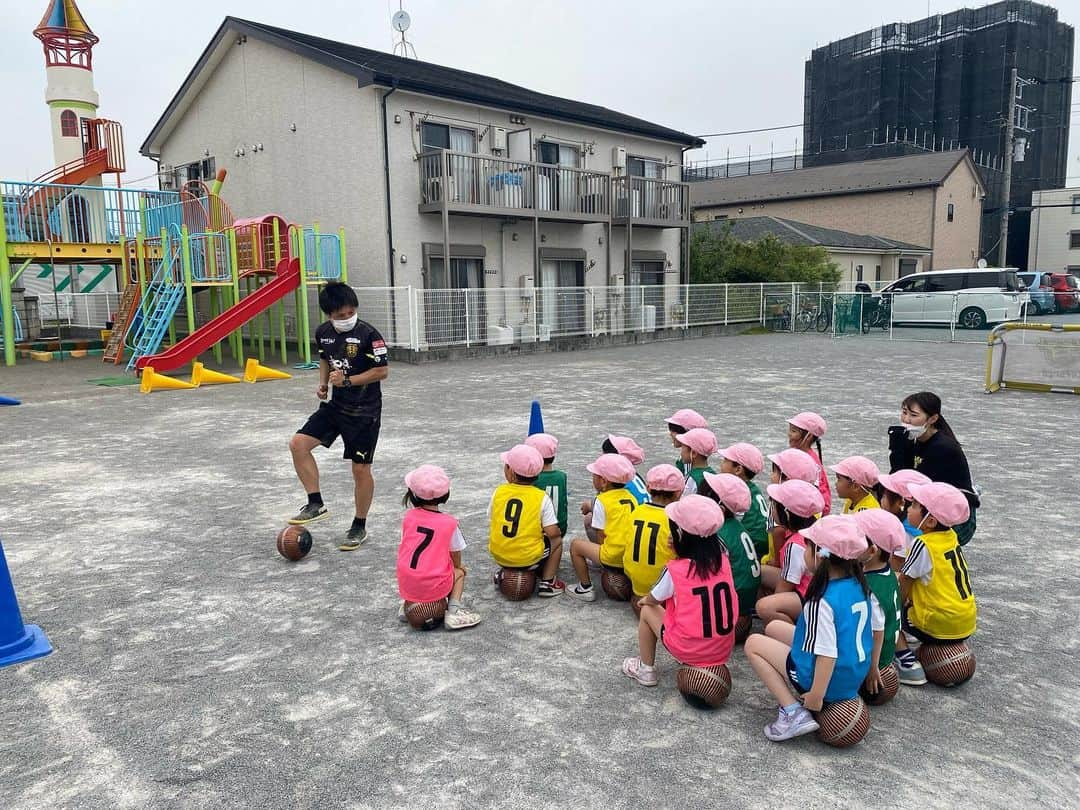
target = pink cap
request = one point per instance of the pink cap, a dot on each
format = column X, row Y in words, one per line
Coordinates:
column 696, row 514
column 700, row 440
column 628, row 449
column 796, row 464
column 428, row 482
column 687, row 419
column 945, row 503
column 745, row 454
column 883, row 529
column 665, row 478
column 544, row 443
column 731, row 490
column 524, row 460
column 798, row 497
column 811, row 422
column 839, row 535
column 859, row 469
column 612, row 467
column 900, row 480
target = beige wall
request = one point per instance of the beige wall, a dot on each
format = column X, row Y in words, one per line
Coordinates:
column 917, row 216
column 1048, row 248
column 849, row 261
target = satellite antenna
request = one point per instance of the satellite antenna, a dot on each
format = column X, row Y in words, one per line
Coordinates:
column 400, row 22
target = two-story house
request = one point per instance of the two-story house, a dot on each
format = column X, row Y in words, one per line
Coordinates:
column 421, row 162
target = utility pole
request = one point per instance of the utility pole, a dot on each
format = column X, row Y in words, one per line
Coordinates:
column 1003, row 240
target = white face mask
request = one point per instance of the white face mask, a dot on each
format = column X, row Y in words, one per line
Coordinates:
column 913, row 431
column 346, row 325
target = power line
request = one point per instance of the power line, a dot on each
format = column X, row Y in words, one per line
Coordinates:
column 749, row 131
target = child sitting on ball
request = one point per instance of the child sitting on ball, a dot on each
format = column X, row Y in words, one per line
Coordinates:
column 429, row 565
column 733, row 496
column 795, row 506
column 935, row 586
column 630, row 450
column 745, row 461
column 678, row 423
column 524, row 529
column 856, row 481
column 696, row 445
column 552, row 481
column 886, row 535
column 610, row 520
column 693, row 607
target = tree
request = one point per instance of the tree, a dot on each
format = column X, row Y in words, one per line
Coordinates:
column 716, row 257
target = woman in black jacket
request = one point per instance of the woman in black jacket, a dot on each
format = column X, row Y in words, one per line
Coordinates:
column 924, row 441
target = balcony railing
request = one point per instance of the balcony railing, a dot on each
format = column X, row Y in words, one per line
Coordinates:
column 647, row 201
column 469, row 183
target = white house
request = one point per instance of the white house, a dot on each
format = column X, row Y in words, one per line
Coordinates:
column 417, row 161
column 1054, row 244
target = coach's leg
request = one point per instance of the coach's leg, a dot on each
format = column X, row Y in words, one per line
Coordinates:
column 364, row 489
column 303, row 461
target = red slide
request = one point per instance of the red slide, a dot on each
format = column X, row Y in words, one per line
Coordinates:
column 286, row 280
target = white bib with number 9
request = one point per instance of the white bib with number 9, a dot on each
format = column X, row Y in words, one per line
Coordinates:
column 748, row 546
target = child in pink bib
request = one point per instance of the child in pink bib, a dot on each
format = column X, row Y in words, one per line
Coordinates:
column 429, row 565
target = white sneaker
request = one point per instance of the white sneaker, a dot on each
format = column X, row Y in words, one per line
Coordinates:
column 642, row 673
column 579, row 591
column 401, row 613
column 911, row 674
column 459, row 617
column 791, row 725
column 913, row 643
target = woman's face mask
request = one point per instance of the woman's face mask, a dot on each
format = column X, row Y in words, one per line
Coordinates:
column 345, row 325
column 913, row 431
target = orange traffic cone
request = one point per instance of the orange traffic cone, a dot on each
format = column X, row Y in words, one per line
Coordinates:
column 201, row 375
column 152, row 381
column 253, row 372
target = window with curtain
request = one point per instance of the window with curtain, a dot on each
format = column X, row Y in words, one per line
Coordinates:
column 645, row 167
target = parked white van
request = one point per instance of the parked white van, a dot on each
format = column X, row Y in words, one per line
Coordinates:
column 973, row 296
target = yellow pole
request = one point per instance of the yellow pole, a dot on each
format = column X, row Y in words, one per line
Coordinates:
column 189, row 292
column 7, row 311
column 341, row 245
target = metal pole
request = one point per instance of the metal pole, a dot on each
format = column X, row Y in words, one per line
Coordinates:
column 727, row 293
column 7, row 310
column 1006, row 185
column 189, row 291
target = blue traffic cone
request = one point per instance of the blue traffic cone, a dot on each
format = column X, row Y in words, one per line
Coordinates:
column 9, row 401
column 18, row 642
column 536, row 419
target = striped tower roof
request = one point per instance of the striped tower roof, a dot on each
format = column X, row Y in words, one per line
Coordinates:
column 64, row 17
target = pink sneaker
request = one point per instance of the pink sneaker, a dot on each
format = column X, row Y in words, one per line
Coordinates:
column 642, row 673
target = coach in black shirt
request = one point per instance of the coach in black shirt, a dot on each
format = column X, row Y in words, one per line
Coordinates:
column 923, row 441
column 352, row 361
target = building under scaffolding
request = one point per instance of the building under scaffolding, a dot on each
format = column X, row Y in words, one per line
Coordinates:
column 943, row 83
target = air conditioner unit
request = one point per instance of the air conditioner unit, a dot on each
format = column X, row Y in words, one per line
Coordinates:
column 545, row 333
column 434, row 190
column 618, row 157
column 648, row 318
column 498, row 139
column 525, row 283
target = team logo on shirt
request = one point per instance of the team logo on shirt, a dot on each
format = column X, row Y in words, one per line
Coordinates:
column 351, row 350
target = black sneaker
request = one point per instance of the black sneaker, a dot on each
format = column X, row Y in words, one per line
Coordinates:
column 353, row 540
column 309, row 514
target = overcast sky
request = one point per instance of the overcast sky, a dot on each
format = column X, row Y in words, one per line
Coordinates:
column 701, row 67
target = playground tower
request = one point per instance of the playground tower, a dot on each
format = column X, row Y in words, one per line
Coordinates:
column 70, row 94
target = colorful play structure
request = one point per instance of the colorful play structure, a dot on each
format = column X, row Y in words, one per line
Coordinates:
column 170, row 249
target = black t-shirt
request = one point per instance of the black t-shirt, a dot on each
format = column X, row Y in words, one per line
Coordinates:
column 353, row 352
column 939, row 458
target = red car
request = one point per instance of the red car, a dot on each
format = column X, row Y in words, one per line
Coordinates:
column 1066, row 291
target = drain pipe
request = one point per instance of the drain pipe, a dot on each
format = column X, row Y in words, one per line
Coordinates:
column 389, row 212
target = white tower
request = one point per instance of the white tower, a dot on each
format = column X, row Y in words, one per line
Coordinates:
column 70, row 93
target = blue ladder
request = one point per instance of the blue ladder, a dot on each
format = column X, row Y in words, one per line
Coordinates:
column 166, row 300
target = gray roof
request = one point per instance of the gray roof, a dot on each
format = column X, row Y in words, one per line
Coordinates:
column 788, row 231
column 425, row 77
column 887, row 174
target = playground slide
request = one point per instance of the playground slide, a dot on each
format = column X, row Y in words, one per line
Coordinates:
column 42, row 200
column 286, row 280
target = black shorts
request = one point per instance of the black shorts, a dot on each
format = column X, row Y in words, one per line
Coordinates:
column 793, row 677
column 360, row 434
column 536, row 565
column 925, row 638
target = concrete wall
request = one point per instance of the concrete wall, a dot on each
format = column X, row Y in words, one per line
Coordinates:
column 889, row 264
column 917, row 216
column 1048, row 248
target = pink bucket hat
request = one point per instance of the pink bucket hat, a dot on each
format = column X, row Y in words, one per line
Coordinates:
column 796, row 464
column 612, row 467
column 665, row 478
column 883, row 529
column 900, row 480
column 745, row 454
column 544, row 443
column 687, row 419
column 428, row 482
column 524, row 460
column 696, row 514
column 798, row 497
column 812, row 423
column 945, row 503
column 628, row 449
column 731, row 490
column 839, row 535
column 700, row 440
column 859, row 469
